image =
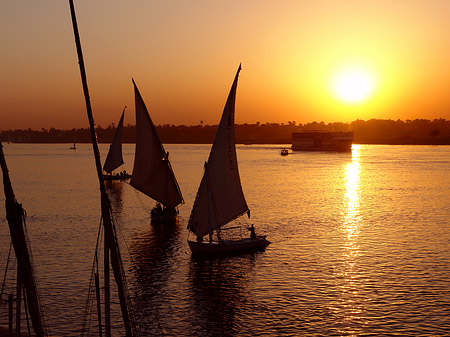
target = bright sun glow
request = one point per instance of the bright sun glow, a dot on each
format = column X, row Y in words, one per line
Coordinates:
column 353, row 86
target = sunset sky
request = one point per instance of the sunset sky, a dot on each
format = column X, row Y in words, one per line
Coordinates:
column 323, row 60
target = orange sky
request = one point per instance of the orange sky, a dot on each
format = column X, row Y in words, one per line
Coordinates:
column 183, row 56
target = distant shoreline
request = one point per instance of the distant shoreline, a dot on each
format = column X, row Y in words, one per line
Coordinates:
column 374, row 131
column 254, row 143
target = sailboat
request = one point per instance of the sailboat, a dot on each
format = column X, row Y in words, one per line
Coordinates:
column 114, row 158
column 152, row 172
column 26, row 281
column 74, row 147
column 220, row 198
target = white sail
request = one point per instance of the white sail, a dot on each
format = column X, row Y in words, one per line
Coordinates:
column 152, row 173
column 114, row 158
column 220, row 198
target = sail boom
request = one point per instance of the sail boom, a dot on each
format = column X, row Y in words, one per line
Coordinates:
column 230, row 220
column 155, row 197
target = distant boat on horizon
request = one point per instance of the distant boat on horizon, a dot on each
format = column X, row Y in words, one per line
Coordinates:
column 114, row 159
column 74, row 147
column 152, row 172
column 220, row 198
column 317, row 140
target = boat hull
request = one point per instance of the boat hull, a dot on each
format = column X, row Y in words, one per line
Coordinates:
column 166, row 215
column 116, row 177
column 228, row 246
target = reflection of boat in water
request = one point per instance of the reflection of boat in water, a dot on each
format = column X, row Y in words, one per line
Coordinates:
column 114, row 158
column 25, row 282
column 220, row 198
column 152, row 172
column 322, row 141
column 284, row 152
column 153, row 252
column 220, row 287
column 155, row 266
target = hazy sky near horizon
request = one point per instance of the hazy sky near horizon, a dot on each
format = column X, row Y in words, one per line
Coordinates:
column 183, row 56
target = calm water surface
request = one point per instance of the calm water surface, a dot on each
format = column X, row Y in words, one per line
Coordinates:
column 360, row 243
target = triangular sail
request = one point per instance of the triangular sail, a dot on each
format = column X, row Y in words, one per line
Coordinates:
column 152, row 173
column 114, row 158
column 220, row 198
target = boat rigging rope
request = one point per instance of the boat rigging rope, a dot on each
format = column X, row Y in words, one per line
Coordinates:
column 122, row 271
column 141, row 201
column 26, row 311
column 6, row 271
column 120, row 231
column 138, row 197
column 87, row 317
column 88, row 311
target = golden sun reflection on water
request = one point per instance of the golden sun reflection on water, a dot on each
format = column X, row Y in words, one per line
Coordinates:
column 352, row 189
column 349, row 308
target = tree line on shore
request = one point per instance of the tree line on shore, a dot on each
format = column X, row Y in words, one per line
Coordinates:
column 373, row 131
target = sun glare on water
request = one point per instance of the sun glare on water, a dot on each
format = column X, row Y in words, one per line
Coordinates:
column 353, row 86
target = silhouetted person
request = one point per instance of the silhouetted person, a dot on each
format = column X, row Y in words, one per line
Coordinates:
column 252, row 232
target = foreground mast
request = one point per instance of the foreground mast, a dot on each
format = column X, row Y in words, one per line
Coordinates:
column 15, row 215
column 111, row 248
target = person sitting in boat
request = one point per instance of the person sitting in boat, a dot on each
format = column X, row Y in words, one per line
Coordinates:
column 157, row 210
column 252, row 232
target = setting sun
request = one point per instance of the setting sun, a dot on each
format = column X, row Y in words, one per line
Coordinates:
column 353, row 86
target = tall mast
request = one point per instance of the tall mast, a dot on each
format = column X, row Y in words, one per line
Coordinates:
column 111, row 247
column 15, row 215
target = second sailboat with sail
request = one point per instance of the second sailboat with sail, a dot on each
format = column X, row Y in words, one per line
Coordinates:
column 114, row 158
column 152, row 172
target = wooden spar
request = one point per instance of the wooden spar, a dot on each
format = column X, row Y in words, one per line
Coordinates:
column 15, row 215
column 111, row 246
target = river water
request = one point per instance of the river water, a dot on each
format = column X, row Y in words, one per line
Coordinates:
column 360, row 243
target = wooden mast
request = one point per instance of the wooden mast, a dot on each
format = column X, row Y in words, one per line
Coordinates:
column 15, row 215
column 110, row 245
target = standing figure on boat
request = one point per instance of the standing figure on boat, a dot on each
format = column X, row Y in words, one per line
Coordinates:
column 252, row 232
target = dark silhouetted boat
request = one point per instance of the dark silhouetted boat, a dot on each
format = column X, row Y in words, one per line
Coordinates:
column 152, row 172
column 220, row 198
column 114, row 158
